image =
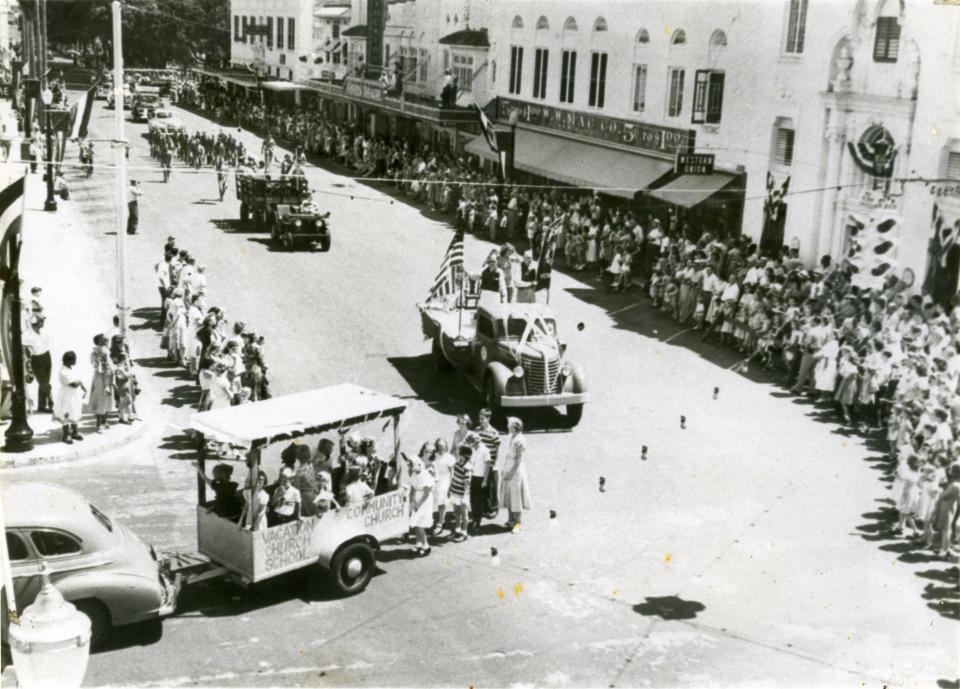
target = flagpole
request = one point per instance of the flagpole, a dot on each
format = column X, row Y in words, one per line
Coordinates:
column 460, row 304
column 121, row 163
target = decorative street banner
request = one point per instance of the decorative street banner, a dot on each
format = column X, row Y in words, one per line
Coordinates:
column 774, row 216
column 663, row 141
column 943, row 262
column 875, row 152
column 872, row 251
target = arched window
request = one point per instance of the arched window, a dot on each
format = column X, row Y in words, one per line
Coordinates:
column 679, row 37
column 570, row 24
column 517, row 22
column 543, row 24
column 718, row 39
column 600, row 24
column 643, row 36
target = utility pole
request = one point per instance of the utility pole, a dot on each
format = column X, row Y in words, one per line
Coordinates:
column 120, row 160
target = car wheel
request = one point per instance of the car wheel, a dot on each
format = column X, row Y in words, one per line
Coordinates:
column 574, row 414
column 352, row 568
column 244, row 214
column 439, row 359
column 100, row 626
column 325, row 243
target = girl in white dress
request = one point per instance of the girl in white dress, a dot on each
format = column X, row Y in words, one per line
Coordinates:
column 68, row 408
column 421, row 503
column 907, row 493
column 825, row 370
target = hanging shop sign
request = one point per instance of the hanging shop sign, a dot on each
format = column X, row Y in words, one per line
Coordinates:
column 665, row 141
column 694, row 164
column 875, row 151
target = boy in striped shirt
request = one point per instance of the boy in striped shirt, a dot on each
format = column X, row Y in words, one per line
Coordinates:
column 460, row 492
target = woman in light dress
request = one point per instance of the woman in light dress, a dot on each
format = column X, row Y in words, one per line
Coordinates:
column 514, row 488
column 825, row 369
column 101, row 387
column 443, row 463
column 421, row 503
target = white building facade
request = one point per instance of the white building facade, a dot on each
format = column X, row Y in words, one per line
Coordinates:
column 271, row 36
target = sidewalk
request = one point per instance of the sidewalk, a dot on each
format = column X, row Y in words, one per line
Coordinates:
column 78, row 302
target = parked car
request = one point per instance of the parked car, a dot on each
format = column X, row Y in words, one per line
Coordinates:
column 96, row 563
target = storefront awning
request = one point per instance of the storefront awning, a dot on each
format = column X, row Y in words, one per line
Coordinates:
column 282, row 86
column 690, row 190
column 608, row 170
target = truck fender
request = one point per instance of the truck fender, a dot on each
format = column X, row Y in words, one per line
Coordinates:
column 498, row 374
column 324, row 559
column 577, row 382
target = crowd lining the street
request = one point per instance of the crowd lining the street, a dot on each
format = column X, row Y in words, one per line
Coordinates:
column 883, row 359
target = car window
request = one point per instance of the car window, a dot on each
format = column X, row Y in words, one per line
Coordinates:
column 54, row 543
column 16, row 547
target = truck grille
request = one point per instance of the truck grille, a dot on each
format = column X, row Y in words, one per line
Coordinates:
column 541, row 375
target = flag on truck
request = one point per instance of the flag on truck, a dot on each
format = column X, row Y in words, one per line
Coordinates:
column 548, row 246
column 80, row 113
column 448, row 278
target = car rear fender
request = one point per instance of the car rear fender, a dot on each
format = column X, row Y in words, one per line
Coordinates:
column 127, row 597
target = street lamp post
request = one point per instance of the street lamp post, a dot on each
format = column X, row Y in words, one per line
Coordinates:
column 51, row 203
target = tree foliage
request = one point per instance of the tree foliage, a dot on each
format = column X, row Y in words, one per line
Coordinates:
column 155, row 32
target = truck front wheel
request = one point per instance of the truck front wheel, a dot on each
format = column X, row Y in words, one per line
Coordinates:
column 325, row 243
column 244, row 214
column 352, row 568
column 574, row 414
column 437, row 356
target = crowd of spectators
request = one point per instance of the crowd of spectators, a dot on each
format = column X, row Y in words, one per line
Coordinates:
column 882, row 358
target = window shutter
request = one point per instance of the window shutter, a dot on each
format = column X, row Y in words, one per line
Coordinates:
column 543, row 73
column 270, row 32
column 564, row 66
column 537, row 56
column 519, row 68
column 784, row 152
column 291, row 34
column 953, row 165
column 700, row 97
column 594, row 70
column 572, row 80
column 886, row 44
column 801, row 26
column 602, row 80
column 715, row 97
column 279, row 33
column 639, row 87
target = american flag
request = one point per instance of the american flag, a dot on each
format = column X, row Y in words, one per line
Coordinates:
column 451, row 270
column 945, row 233
column 488, row 128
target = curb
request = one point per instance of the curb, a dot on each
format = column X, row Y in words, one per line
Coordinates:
column 14, row 462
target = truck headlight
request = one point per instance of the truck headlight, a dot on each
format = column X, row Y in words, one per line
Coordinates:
column 297, row 223
column 518, row 372
column 566, row 371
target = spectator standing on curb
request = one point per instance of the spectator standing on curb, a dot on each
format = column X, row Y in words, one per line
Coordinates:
column 101, row 388
column 38, row 349
column 459, row 492
column 479, row 468
column 68, row 409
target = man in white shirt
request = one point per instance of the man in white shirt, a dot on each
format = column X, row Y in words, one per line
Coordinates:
column 163, row 285
column 133, row 206
column 37, row 344
column 480, row 465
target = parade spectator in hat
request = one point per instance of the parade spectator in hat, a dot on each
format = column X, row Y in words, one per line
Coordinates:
column 37, row 346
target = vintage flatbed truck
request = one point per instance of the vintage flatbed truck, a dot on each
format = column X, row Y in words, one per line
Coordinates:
column 509, row 352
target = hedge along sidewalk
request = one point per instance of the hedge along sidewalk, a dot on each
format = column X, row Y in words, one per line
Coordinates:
column 58, row 254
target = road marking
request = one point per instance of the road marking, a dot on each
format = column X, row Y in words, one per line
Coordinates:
column 676, row 335
column 625, row 308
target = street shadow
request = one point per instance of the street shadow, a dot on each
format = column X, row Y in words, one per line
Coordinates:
column 948, row 683
column 206, row 202
column 182, row 395
column 140, row 634
column 149, row 317
column 180, row 446
column 235, row 226
column 442, row 391
column 669, row 608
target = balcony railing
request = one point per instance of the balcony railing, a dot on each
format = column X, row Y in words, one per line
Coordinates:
column 371, row 92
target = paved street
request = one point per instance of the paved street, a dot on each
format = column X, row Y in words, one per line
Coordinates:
column 749, row 549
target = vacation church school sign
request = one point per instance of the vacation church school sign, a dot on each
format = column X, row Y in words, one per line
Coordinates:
column 663, row 141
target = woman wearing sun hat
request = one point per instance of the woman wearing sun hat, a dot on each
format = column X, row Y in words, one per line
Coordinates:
column 514, row 489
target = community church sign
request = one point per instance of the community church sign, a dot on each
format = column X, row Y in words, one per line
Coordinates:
column 664, row 141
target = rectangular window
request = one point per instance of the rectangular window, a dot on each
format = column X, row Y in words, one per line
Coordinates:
column 270, row 32
column 243, row 29
column 568, row 75
column 707, row 97
column 953, row 165
column 783, row 155
column 463, row 72
column 540, row 73
column 516, row 69
column 279, row 33
column 335, row 27
column 236, row 28
column 675, row 96
column 291, row 35
column 598, row 79
column 283, row 58
column 639, row 88
column 424, row 63
column 796, row 26
column 887, row 43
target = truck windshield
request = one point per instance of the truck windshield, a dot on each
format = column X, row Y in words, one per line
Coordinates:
column 542, row 327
